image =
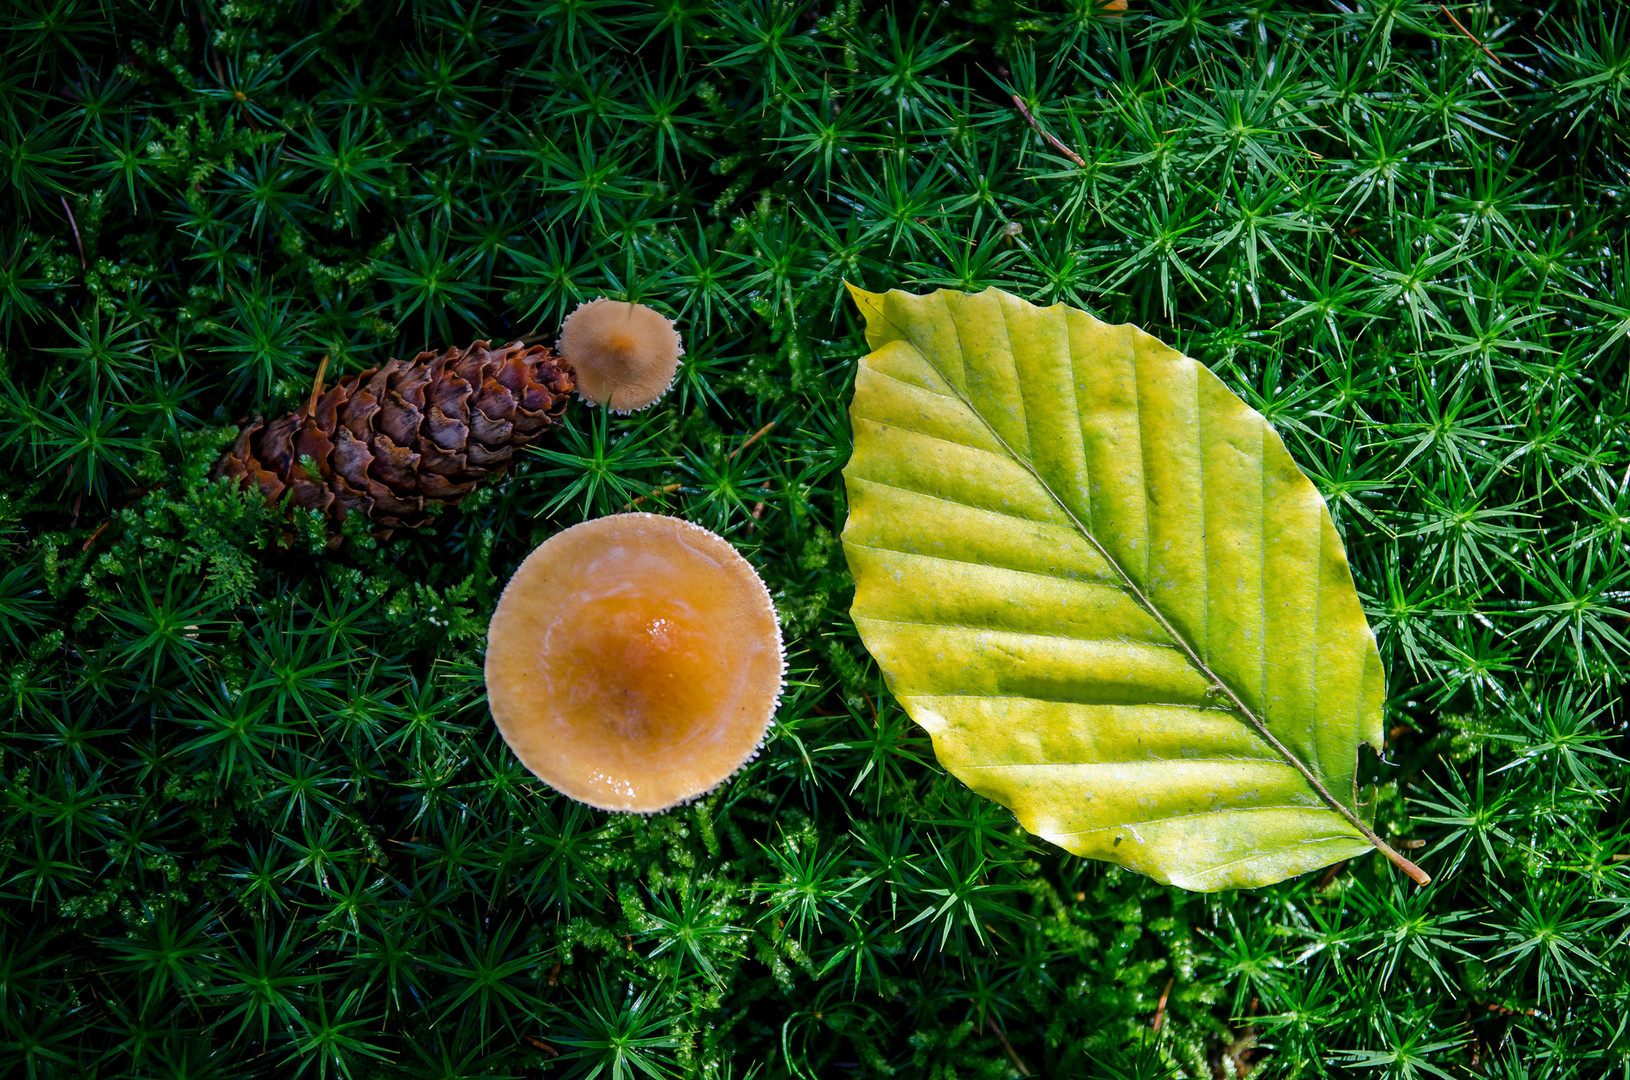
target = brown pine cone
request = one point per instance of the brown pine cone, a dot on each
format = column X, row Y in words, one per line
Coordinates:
column 393, row 440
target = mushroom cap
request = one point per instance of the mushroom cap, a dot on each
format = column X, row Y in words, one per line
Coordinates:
column 634, row 662
column 625, row 355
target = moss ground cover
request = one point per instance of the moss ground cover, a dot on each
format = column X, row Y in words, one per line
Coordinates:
column 257, row 821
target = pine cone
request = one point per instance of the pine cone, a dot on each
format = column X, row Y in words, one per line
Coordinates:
column 391, row 441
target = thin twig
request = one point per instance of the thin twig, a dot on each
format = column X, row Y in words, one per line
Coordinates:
column 538, row 1044
column 758, row 507
column 209, row 45
column 996, row 1029
column 99, row 530
column 1469, row 34
column 655, row 493
column 70, row 212
column 1018, row 103
column 1160, row 1010
column 316, row 388
column 751, row 439
column 1332, row 874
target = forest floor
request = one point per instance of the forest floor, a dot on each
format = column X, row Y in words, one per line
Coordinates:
column 257, row 820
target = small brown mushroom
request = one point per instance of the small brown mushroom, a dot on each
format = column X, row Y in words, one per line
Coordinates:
column 625, row 355
column 634, row 662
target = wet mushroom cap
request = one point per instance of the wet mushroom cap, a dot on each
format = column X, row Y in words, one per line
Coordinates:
column 634, row 662
column 625, row 355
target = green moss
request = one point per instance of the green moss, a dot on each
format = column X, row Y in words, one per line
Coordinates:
column 256, row 819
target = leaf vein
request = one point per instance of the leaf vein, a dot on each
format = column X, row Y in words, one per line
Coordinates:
column 1201, row 813
column 1275, row 760
column 1018, row 383
column 1262, row 561
column 1224, row 709
column 895, row 425
column 953, row 502
column 1016, row 633
column 1205, row 532
column 1274, row 851
column 1143, row 467
column 1101, row 584
column 914, row 386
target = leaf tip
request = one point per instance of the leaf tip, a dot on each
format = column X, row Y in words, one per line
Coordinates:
column 862, row 299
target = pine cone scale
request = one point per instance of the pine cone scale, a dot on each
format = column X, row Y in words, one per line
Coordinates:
column 488, row 430
column 447, row 433
column 449, row 392
column 491, row 459
column 396, row 466
column 313, row 442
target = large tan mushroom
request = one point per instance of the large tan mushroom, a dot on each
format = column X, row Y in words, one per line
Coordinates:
column 625, row 355
column 634, row 662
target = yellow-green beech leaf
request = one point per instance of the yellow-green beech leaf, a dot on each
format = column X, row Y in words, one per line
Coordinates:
column 1099, row 581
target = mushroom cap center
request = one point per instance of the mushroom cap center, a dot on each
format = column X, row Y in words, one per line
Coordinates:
column 646, row 669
